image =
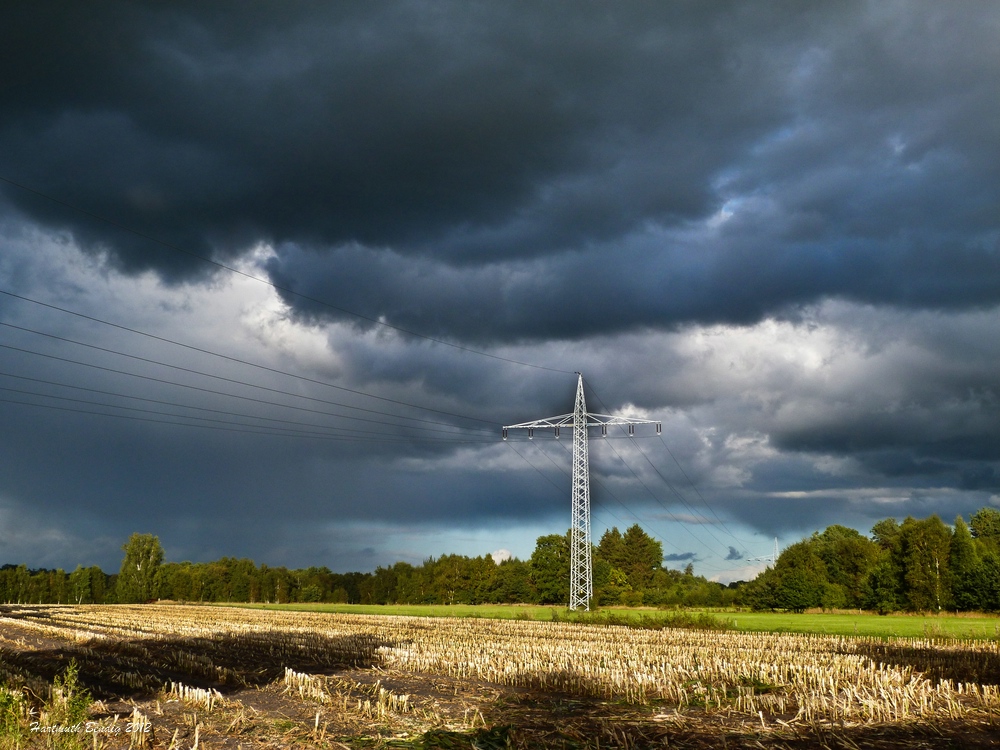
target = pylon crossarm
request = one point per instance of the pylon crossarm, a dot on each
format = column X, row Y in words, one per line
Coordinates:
column 564, row 420
column 595, row 420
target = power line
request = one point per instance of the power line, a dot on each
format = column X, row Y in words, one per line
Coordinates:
column 604, row 507
column 682, row 498
column 326, row 428
column 286, row 291
column 200, row 388
column 697, row 492
column 543, row 475
column 665, row 508
column 221, row 356
column 553, row 438
column 271, row 433
column 276, row 287
column 193, row 387
column 223, row 378
column 673, row 489
column 219, row 411
column 607, row 490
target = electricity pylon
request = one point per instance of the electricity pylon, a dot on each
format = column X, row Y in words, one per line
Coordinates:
column 773, row 559
column 581, row 574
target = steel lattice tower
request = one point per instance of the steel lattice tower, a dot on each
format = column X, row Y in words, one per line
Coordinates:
column 581, row 578
column 773, row 559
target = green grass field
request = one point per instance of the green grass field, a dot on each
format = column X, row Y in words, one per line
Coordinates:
column 911, row 626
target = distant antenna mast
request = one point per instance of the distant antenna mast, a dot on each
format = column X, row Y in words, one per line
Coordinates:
column 773, row 559
column 581, row 576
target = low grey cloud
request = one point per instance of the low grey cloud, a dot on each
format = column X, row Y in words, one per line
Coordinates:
column 682, row 557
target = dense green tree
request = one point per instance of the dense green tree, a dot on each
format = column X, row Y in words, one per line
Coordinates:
column 989, row 582
column 642, row 555
column 886, row 534
column 21, row 584
column 926, row 547
column 801, row 577
column 762, row 592
column 915, row 565
column 611, row 585
column 58, row 589
column 883, row 590
column 847, row 557
column 314, row 584
column 277, row 584
column 79, row 586
column 511, row 583
column 175, row 582
column 611, row 548
column 100, row 584
column 394, row 585
column 884, row 586
column 550, row 569
column 138, row 575
column 966, row 569
column 690, row 590
column 457, row 579
column 350, row 583
column 985, row 527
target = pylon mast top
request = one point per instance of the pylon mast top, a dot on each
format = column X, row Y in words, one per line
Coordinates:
column 593, row 420
column 580, row 419
column 773, row 558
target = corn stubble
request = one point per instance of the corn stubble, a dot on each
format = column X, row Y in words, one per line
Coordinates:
column 338, row 669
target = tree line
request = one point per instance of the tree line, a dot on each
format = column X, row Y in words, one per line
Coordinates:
column 916, row 565
column 919, row 565
column 628, row 569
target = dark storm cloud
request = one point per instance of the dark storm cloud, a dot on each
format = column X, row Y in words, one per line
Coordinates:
column 412, row 161
column 734, row 554
column 583, row 186
column 401, row 123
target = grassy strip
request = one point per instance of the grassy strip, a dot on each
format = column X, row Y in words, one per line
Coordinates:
column 960, row 627
column 649, row 620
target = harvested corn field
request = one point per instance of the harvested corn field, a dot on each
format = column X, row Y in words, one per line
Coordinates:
column 168, row 676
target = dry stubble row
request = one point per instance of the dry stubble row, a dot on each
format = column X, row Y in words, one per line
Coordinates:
column 802, row 677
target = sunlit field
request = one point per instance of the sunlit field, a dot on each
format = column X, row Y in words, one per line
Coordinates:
column 174, row 676
column 962, row 626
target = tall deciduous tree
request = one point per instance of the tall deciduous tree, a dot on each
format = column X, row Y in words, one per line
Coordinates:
column 926, row 549
column 550, row 569
column 966, row 569
column 801, row 577
column 985, row 527
column 883, row 588
column 138, row 574
column 79, row 586
column 848, row 557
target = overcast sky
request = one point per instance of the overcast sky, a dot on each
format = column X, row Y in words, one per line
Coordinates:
column 274, row 275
